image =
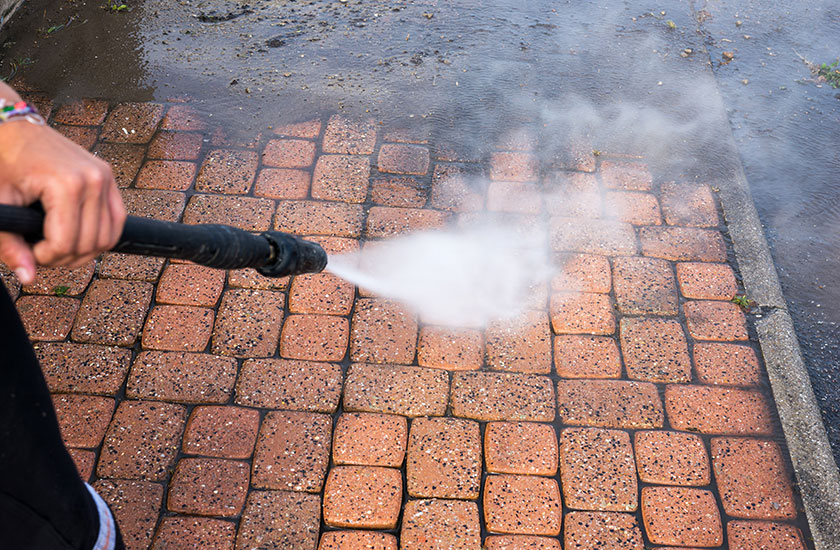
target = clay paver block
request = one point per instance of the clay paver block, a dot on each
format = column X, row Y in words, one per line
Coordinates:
column 681, row 516
column 61, row 280
column 366, row 497
column 520, row 542
column 221, row 137
column 282, row 183
column 400, row 191
column 369, row 439
column 83, row 368
column 290, row 385
column 436, row 524
column 520, row 344
column 319, row 218
column 357, row 540
column 610, row 238
column 450, row 348
column 190, row 285
column 293, row 451
column 517, row 139
column 124, row 159
column 227, row 171
column 209, row 487
column 456, row 189
column 708, row 320
column 683, row 244
column 112, row 312
column 525, row 448
column 583, row 272
column 382, row 331
column 142, row 441
column 314, row 337
column 511, row 196
column 609, row 404
column 84, row 112
column 488, row 396
column 190, row 532
column 706, row 281
column 403, row 159
column 346, row 136
column 523, row 505
column 42, row 102
column 84, row 461
column 409, row 391
column 387, row 221
column 47, row 318
column 250, row 214
column 718, row 410
column 602, row 531
column 597, row 470
column 178, row 328
column 752, row 478
column 166, row 174
column 341, row 178
column 82, row 136
column 308, row 129
column 415, row 134
column 182, row 377
column 289, row 153
column 671, row 458
column 114, row 265
column 626, row 175
column 655, row 350
column 586, row 357
column 691, row 205
column 726, row 364
column 83, row 418
column 185, row 118
column 757, row 535
column 513, row 166
column 644, row 286
column 221, row 431
column 249, row 278
column 154, row 203
column 582, row 313
column 248, row 323
column 280, row 519
column 170, row 145
column 135, row 505
column 443, row 458
column 572, row 194
column 132, row 122
column 634, row 208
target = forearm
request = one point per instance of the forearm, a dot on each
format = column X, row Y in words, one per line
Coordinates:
column 8, row 93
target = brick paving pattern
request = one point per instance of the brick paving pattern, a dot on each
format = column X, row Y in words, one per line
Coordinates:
column 623, row 409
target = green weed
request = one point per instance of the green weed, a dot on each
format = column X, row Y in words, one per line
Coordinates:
column 61, row 290
column 742, row 301
column 830, row 73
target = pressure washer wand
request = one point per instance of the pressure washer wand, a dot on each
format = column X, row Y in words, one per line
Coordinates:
column 272, row 253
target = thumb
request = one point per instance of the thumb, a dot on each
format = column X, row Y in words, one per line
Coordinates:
column 17, row 255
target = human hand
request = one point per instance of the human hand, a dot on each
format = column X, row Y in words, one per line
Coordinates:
column 83, row 207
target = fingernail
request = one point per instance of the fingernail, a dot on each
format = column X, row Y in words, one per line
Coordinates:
column 24, row 275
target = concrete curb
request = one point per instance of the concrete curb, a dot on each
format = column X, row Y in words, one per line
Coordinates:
column 810, row 453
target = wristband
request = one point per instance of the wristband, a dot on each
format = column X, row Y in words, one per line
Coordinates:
column 19, row 110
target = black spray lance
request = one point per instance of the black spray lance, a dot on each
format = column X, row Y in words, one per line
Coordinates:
column 272, row 253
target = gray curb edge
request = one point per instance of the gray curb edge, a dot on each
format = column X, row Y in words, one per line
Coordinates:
column 810, row 453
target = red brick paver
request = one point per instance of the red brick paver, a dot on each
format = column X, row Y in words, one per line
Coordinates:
column 230, row 410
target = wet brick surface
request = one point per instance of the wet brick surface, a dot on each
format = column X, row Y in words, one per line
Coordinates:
column 224, row 409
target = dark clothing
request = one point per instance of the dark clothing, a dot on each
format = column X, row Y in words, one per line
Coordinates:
column 43, row 502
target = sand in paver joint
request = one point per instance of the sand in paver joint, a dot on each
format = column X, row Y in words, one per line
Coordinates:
column 621, row 409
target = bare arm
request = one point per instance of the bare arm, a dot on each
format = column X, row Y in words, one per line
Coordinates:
column 84, row 211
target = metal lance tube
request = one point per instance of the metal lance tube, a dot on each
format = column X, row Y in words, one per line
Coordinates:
column 272, row 253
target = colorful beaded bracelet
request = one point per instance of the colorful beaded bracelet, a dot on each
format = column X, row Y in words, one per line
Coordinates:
column 19, row 110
